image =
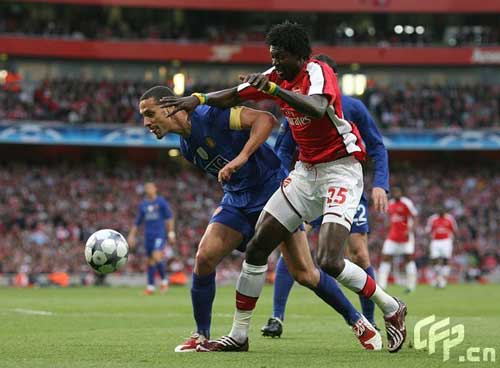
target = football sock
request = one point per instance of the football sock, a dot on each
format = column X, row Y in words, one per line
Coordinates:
column 445, row 273
column 283, row 283
column 383, row 274
column 367, row 305
column 411, row 275
column 248, row 289
column 202, row 298
column 354, row 278
column 328, row 290
column 160, row 266
column 151, row 275
column 437, row 275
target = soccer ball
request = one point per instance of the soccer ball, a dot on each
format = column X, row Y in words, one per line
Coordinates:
column 106, row 251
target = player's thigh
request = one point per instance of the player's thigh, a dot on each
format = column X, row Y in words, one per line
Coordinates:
column 297, row 255
column 358, row 249
column 281, row 208
column 218, row 241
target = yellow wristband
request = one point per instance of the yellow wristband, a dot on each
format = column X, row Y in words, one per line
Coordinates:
column 201, row 97
column 272, row 89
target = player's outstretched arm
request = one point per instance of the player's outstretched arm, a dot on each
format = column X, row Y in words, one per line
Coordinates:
column 261, row 125
column 314, row 106
column 131, row 239
column 223, row 99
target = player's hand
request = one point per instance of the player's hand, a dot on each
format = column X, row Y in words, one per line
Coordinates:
column 379, row 197
column 256, row 80
column 187, row 104
column 231, row 167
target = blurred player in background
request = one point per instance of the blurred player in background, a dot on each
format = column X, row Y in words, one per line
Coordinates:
column 327, row 179
column 154, row 212
column 401, row 239
column 355, row 111
column 442, row 228
column 229, row 144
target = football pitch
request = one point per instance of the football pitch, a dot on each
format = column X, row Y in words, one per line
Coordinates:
column 119, row 327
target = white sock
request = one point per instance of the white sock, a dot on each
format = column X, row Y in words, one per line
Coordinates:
column 164, row 282
column 384, row 301
column 445, row 273
column 151, row 287
column 437, row 275
column 248, row 288
column 383, row 274
column 411, row 275
column 352, row 276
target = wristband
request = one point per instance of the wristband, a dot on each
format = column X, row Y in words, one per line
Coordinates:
column 171, row 234
column 202, row 97
column 272, row 89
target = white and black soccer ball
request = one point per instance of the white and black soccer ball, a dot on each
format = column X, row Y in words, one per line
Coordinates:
column 106, row 251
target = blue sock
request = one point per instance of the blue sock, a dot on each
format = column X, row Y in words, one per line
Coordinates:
column 160, row 266
column 283, row 283
column 330, row 292
column 202, row 298
column 367, row 306
column 151, row 275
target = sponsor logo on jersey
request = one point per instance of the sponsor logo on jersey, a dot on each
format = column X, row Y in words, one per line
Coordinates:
column 214, row 166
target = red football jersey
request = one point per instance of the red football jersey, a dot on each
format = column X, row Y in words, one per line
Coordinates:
column 441, row 227
column 319, row 140
column 401, row 214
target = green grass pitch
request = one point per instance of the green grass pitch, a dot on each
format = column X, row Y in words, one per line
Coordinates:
column 119, row 327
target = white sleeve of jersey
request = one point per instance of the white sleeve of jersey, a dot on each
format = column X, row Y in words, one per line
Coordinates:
column 242, row 86
column 410, row 205
column 453, row 223
column 316, row 78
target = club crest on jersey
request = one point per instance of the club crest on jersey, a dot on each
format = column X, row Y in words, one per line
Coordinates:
column 202, row 153
column 210, row 142
column 286, row 182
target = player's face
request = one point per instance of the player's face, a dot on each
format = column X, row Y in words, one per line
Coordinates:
column 150, row 189
column 155, row 118
column 287, row 65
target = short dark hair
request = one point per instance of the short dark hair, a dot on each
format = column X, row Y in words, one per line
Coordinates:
column 328, row 60
column 157, row 92
column 291, row 37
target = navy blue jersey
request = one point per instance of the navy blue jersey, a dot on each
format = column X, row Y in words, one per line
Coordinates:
column 216, row 138
column 355, row 111
column 153, row 214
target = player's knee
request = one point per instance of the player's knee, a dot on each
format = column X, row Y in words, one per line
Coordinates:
column 305, row 278
column 204, row 263
column 331, row 265
column 360, row 258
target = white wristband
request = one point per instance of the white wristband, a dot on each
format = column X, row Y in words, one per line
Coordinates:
column 171, row 234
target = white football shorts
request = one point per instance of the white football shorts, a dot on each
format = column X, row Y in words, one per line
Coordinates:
column 393, row 248
column 332, row 189
column 442, row 248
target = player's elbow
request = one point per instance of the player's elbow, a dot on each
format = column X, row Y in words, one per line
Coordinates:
column 318, row 112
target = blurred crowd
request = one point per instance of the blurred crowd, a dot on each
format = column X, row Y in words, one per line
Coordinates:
column 105, row 23
column 422, row 106
column 411, row 105
column 470, row 192
column 48, row 212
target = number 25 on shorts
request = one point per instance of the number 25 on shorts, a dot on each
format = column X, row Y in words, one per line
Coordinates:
column 336, row 196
